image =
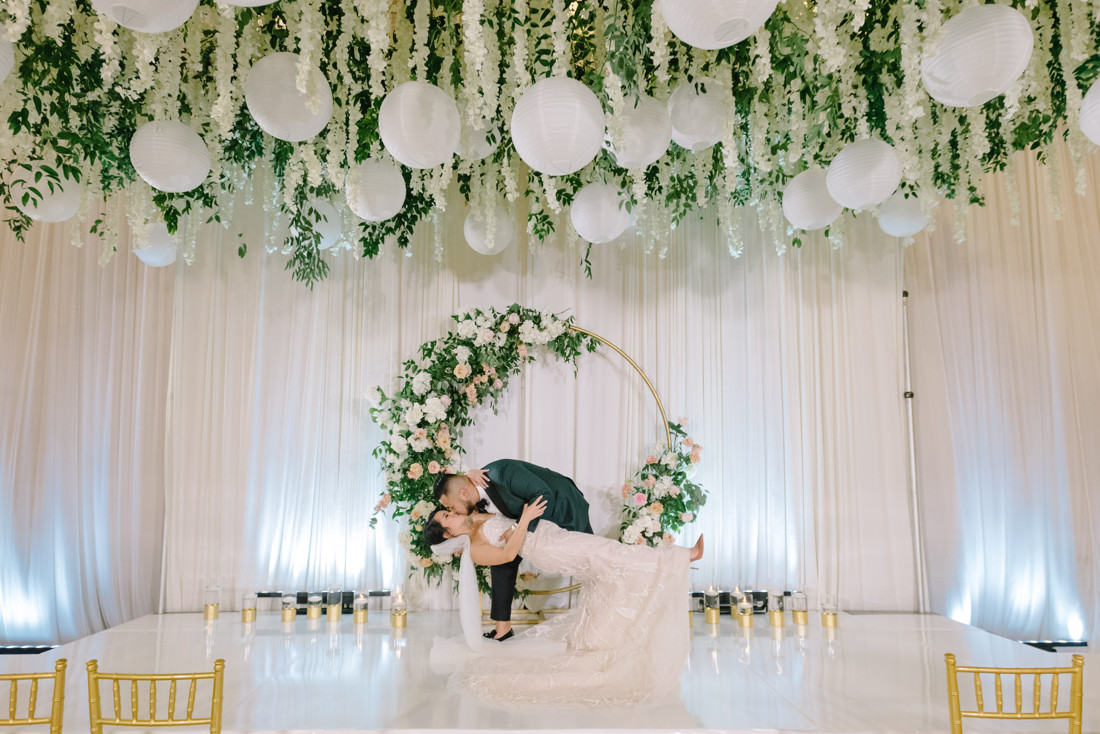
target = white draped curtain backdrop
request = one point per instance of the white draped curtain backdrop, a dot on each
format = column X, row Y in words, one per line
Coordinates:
column 160, row 430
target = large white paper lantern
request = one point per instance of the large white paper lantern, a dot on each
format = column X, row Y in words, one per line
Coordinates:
column 273, row 99
column 326, row 222
column 864, row 174
column 980, row 53
column 1090, row 113
column 713, row 24
column 159, row 248
column 419, row 124
column 806, row 201
column 646, row 133
column 474, row 145
column 169, row 156
column 476, row 228
column 900, row 216
column 558, row 126
column 381, row 191
column 56, row 205
column 7, row 59
column 698, row 111
column 147, row 16
column 597, row 213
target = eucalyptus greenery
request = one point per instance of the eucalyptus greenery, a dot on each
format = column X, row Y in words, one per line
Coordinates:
column 817, row 76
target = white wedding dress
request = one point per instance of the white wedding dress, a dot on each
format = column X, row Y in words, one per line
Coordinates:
column 625, row 641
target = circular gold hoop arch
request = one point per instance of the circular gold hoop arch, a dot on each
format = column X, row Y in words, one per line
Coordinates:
column 632, row 363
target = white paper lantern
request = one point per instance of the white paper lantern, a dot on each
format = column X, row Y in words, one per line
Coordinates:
column 698, row 111
column 159, row 248
column 381, row 191
column 1090, row 113
column 646, row 133
column 419, row 124
column 273, row 99
column 864, row 174
column 476, row 228
column 473, row 145
column 981, row 52
column 56, row 205
column 806, row 201
column 900, row 216
column 147, row 16
column 558, row 126
column 326, row 220
column 7, row 59
column 169, row 156
column 713, row 24
column 597, row 214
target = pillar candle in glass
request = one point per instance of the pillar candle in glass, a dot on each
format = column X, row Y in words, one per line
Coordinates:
column 776, row 616
column 398, row 609
column 744, row 611
column 829, row 610
column 248, row 607
column 799, row 608
column 313, row 606
column 289, row 608
column 334, row 603
column 359, row 609
column 711, row 610
column 211, row 602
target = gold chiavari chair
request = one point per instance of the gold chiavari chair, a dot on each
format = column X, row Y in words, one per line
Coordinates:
column 1073, row 713
column 97, row 720
column 57, row 706
column 525, row 616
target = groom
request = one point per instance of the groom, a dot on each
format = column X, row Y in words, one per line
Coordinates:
column 504, row 487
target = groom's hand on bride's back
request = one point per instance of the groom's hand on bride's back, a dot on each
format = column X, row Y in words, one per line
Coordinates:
column 533, row 510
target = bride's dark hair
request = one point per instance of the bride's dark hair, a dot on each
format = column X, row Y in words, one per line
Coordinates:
column 433, row 530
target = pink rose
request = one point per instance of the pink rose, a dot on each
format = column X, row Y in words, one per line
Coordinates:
column 675, row 491
column 639, row 541
column 522, row 349
column 650, row 482
column 504, row 327
column 651, row 459
column 688, row 442
column 656, row 508
column 626, row 490
column 513, row 318
column 415, row 471
column 471, row 394
column 696, row 455
column 668, row 539
column 434, row 467
column 446, row 400
column 683, row 422
column 640, row 499
column 420, row 434
column 497, row 384
column 462, row 371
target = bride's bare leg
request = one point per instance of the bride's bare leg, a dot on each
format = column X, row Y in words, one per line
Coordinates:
column 697, row 549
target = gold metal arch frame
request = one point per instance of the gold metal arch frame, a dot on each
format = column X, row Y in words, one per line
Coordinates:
column 526, row 616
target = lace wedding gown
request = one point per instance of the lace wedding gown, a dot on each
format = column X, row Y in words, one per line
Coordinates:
column 625, row 641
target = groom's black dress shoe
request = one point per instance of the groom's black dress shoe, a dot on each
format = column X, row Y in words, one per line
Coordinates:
column 492, row 635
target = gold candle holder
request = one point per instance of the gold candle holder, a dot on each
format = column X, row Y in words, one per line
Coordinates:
column 359, row 616
column 333, row 612
column 800, row 617
column 399, row 619
column 313, row 606
column 248, row 608
column 288, row 615
column 713, row 615
column 828, row 619
column 745, row 620
column 289, row 608
column 334, row 603
column 777, row 618
column 210, row 611
column 248, row 615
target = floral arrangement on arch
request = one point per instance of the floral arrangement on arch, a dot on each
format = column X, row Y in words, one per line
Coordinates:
column 661, row 498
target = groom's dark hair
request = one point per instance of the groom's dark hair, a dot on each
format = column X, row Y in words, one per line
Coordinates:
column 433, row 530
column 440, row 487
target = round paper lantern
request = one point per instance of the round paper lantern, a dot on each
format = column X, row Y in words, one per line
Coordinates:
column 147, row 16
column 806, row 201
column 557, row 126
column 864, row 174
column 646, row 133
column 900, row 216
column 981, row 52
column 159, row 248
column 698, row 112
column 419, row 124
column 274, row 101
column 56, row 202
column 1090, row 113
column 597, row 214
column 473, row 145
column 381, row 191
column 475, row 228
column 713, row 24
column 169, row 156
column 7, row 59
column 326, row 222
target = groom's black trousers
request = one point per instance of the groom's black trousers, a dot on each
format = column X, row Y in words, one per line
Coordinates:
column 503, row 579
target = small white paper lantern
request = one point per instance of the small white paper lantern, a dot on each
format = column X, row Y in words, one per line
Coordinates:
column 169, row 156
column 419, row 124
column 806, row 201
column 56, row 205
column 900, row 216
column 558, row 126
column 714, row 24
column 159, row 248
column 597, row 214
column 7, row 59
column 381, row 191
column 328, row 224
column 1090, row 113
column 981, row 52
column 864, row 174
column 147, row 16
column 646, row 133
column 273, row 99
column 476, row 228
column 698, row 111
column 473, row 145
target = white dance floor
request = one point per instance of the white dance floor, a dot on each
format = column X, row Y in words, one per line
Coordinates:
column 880, row 673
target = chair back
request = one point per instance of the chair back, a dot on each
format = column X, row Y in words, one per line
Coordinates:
column 1076, row 672
column 191, row 680
column 57, row 706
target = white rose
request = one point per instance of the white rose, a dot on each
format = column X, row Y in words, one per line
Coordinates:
column 434, row 410
column 482, row 320
column 399, row 444
column 671, row 460
column 441, row 560
column 630, row 535
column 500, row 339
column 463, row 354
column 414, row 415
column 405, row 539
column 420, row 444
column 422, row 383
column 374, row 395
column 467, row 329
column 485, row 336
column 423, row 508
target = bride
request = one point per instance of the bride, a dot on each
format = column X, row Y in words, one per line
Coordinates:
column 625, row 641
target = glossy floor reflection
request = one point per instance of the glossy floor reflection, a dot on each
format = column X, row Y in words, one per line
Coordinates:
column 878, row 673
